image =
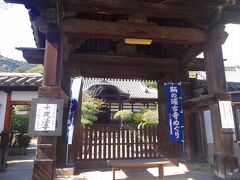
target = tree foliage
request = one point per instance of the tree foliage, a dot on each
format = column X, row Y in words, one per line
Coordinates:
column 150, row 118
column 36, row 69
column 124, row 115
column 151, row 84
column 90, row 108
column 10, row 65
column 18, row 129
column 22, row 108
column 138, row 116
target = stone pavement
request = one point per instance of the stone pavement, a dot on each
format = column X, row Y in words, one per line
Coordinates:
column 20, row 167
column 186, row 171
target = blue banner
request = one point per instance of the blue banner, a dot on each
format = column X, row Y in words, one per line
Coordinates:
column 75, row 94
column 175, row 112
column 70, row 121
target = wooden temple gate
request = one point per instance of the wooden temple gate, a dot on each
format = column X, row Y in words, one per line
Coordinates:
column 148, row 40
column 108, row 141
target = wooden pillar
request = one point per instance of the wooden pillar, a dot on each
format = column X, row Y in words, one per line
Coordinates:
column 189, row 127
column 162, row 114
column 45, row 160
column 8, row 113
column 225, row 162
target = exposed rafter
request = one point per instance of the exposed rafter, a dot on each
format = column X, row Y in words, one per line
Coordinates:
column 121, row 30
column 157, row 9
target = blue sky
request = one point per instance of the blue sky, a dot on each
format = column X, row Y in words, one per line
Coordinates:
column 15, row 31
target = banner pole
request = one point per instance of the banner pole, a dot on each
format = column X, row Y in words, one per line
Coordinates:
column 183, row 133
column 67, row 156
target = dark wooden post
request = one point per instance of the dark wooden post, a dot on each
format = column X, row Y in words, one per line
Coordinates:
column 189, row 135
column 162, row 113
column 225, row 162
column 45, row 160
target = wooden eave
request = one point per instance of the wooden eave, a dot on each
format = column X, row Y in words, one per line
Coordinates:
column 193, row 14
column 203, row 102
column 112, row 66
column 32, row 55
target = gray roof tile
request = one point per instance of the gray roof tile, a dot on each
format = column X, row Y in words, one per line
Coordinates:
column 136, row 89
column 20, row 79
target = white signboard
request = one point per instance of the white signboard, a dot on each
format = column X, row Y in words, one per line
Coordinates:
column 226, row 114
column 46, row 116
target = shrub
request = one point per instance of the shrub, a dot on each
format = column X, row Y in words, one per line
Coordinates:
column 125, row 115
column 19, row 123
column 89, row 112
column 138, row 117
column 19, row 128
column 150, row 118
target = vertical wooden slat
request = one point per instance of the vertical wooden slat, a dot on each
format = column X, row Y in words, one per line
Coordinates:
column 150, row 141
column 123, row 143
column 132, row 144
column 145, row 143
column 155, row 141
column 109, row 142
column 119, row 143
column 95, row 129
column 137, row 140
column 85, row 141
column 80, row 150
column 114, row 142
column 159, row 141
column 100, row 143
column 128, row 144
column 141, row 142
column 90, row 142
column 104, row 142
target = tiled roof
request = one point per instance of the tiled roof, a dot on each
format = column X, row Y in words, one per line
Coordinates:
column 136, row 89
column 232, row 77
column 20, row 80
column 232, row 74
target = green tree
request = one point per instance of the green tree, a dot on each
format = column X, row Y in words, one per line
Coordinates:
column 36, row 69
column 90, row 109
column 150, row 118
column 151, row 84
column 89, row 112
column 124, row 115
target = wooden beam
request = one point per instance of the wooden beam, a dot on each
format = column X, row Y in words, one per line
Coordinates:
column 133, row 7
column 199, row 103
column 197, row 64
column 36, row 3
column 122, row 60
column 114, row 73
column 20, row 102
column 203, row 102
column 229, row 16
column 121, row 30
column 33, row 55
column 96, row 65
column 191, row 54
column 50, row 62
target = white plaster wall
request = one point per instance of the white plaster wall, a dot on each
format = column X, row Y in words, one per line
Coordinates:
column 208, row 126
column 24, row 95
column 3, row 101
